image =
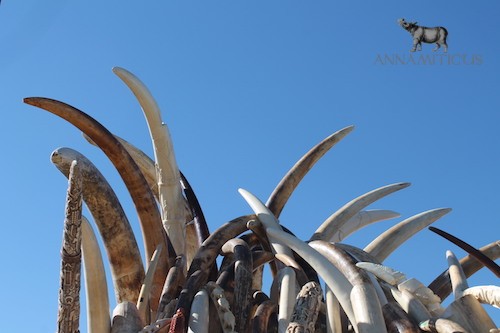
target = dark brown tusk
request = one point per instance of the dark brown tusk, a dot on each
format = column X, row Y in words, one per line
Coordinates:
column 396, row 320
column 263, row 319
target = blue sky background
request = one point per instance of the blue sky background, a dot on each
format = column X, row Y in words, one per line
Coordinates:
column 246, row 88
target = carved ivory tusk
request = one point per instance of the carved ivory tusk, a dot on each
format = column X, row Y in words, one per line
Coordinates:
column 226, row 317
column 267, row 218
column 287, row 185
column 123, row 252
column 167, row 172
column 140, row 192
column 306, row 309
column 485, row 294
column 96, row 290
column 328, row 228
column 69, row 293
column 384, row 273
column 382, row 246
column 365, row 302
column 360, row 220
column 457, row 275
column 199, row 317
column 332, row 276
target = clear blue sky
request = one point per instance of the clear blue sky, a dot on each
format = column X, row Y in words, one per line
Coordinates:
column 246, row 88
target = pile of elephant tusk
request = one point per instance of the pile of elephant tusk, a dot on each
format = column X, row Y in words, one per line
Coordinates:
column 318, row 285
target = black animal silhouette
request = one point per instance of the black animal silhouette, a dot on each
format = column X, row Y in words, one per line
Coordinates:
column 427, row 35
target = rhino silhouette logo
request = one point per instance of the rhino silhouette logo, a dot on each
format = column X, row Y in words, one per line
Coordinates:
column 427, row 35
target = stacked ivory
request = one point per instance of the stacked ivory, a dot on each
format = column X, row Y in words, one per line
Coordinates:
column 184, row 289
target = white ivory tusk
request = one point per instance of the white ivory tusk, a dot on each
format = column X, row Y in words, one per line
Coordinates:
column 328, row 228
column 457, row 275
column 382, row 246
column 267, row 219
column 126, row 319
column 199, row 317
column 411, row 305
column 333, row 319
column 330, row 274
column 96, row 289
column 360, row 220
column 384, row 273
column 287, row 295
column 470, row 314
column 167, row 172
column 143, row 301
column 485, row 294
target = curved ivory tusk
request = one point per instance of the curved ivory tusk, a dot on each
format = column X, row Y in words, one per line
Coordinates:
column 382, row 246
column 364, row 299
column 333, row 319
column 457, row 275
column 287, row 287
column 199, row 317
column 126, row 319
column 287, row 185
column 123, row 252
column 144, row 201
column 360, row 220
column 332, row 276
column 69, row 293
column 487, row 262
column 328, row 228
column 143, row 301
column 485, row 294
column 470, row 265
column 441, row 325
column 167, row 172
column 96, row 290
column 267, row 218
column 306, row 309
column 384, row 273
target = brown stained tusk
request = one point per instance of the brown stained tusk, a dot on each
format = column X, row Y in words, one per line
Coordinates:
column 126, row 319
column 287, row 185
column 306, row 309
column 382, row 246
column 263, row 319
column 243, row 279
column 398, row 321
column 442, row 325
column 328, row 228
column 258, row 229
column 68, row 316
column 121, row 247
column 144, row 201
column 441, row 285
column 487, row 262
column 172, row 287
column 301, row 276
column 364, row 299
column 96, row 290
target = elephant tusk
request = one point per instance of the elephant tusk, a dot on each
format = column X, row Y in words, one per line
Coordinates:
column 470, row 314
column 172, row 287
column 287, row 295
column 287, row 185
column 364, row 299
column 360, row 220
column 96, row 290
column 487, row 262
column 382, row 246
column 167, row 172
column 333, row 318
column 243, row 279
column 470, row 265
column 218, row 298
column 143, row 302
column 262, row 318
column 457, row 275
column 199, row 317
column 411, row 305
column 69, row 293
column 306, row 309
column 485, row 294
column 123, row 253
column 396, row 320
column 267, row 218
column 441, row 325
column 126, row 319
column 384, row 273
column 331, row 275
column 328, row 228
column 140, row 192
